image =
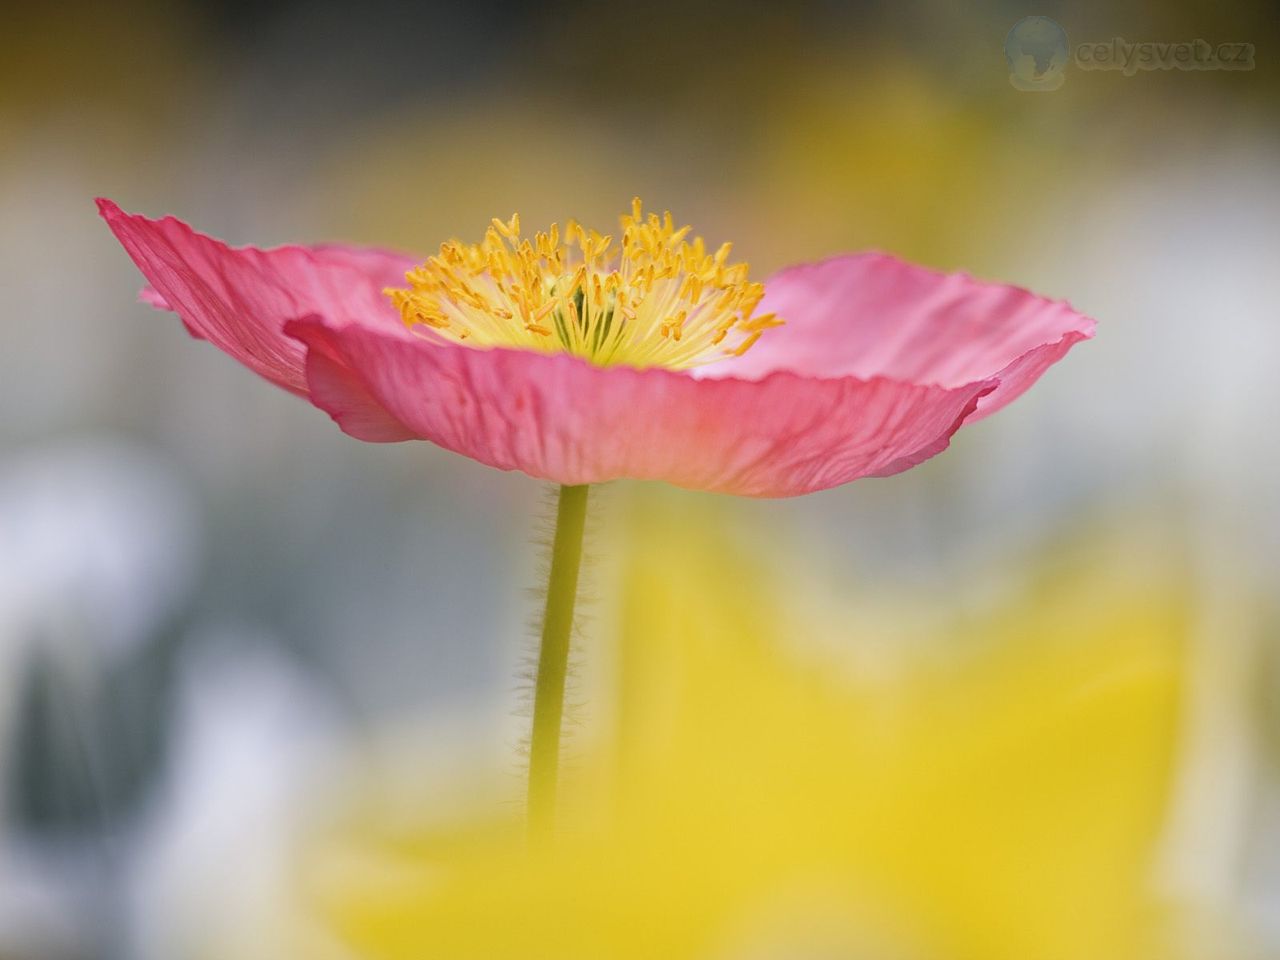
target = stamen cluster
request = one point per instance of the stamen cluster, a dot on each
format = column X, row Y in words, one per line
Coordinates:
column 654, row 299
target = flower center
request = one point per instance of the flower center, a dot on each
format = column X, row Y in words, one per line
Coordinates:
column 656, row 299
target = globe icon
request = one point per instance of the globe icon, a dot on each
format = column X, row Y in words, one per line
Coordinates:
column 1037, row 51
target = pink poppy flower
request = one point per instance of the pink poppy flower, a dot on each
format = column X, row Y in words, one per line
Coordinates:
column 579, row 359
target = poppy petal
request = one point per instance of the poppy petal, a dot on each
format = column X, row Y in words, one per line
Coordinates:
column 239, row 298
column 869, row 315
column 561, row 418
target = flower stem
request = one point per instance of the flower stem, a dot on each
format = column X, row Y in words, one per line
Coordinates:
column 553, row 660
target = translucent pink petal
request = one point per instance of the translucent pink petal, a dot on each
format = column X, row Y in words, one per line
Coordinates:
column 239, row 298
column 869, row 315
column 152, row 298
column 563, row 419
column 329, row 379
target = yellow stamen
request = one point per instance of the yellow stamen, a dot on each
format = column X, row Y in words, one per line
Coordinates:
column 653, row 299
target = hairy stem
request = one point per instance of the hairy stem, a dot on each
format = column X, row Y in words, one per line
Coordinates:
column 553, row 660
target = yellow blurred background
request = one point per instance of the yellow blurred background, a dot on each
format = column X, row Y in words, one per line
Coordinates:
column 259, row 694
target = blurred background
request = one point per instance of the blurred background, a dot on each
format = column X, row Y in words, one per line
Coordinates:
column 260, row 690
